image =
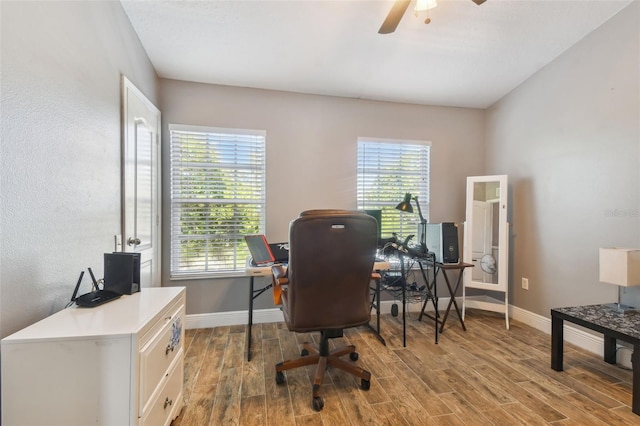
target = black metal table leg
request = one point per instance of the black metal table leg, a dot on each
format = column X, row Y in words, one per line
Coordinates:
column 252, row 295
column 432, row 294
column 435, row 298
column 376, row 300
column 452, row 300
column 403, row 283
column 250, row 324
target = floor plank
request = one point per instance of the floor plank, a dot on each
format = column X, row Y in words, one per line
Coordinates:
column 485, row 376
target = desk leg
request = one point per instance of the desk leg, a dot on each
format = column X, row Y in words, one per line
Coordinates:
column 609, row 349
column 404, row 309
column 376, row 298
column 432, row 294
column 452, row 300
column 635, row 390
column 557, row 342
column 250, row 324
column 403, row 282
column 435, row 303
column 378, row 310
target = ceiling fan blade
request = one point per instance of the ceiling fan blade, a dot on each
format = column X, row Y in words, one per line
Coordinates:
column 479, row 2
column 395, row 15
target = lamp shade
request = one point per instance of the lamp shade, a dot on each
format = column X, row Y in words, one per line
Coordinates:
column 425, row 5
column 405, row 205
column 620, row 266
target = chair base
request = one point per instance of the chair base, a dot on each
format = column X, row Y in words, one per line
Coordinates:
column 324, row 358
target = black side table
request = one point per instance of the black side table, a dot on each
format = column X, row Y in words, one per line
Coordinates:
column 612, row 324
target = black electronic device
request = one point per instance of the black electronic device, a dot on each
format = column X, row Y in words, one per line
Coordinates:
column 377, row 215
column 122, row 272
column 94, row 298
column 75, row 291
column 442, row 239
column 280, row 252
column 93, row 280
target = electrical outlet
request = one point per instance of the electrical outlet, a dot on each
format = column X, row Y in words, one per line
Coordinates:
column 525, row 283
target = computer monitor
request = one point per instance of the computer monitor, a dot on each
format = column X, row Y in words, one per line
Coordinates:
column 377, row 215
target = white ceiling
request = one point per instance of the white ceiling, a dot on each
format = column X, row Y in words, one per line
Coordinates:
column 468, row 56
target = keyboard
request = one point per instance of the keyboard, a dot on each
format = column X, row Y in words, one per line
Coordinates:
column 96, row 298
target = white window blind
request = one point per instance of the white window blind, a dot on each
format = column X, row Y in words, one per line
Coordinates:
column 217, row 197
column 386, row 171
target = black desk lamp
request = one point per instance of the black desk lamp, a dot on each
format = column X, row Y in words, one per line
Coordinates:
column 405, row 206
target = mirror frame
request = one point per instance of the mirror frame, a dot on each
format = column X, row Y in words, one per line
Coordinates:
column 503, row 235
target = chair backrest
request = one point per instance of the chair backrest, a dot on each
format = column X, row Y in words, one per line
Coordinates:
column 331, row 256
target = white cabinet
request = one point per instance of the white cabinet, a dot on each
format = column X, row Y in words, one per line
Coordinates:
column 121, row 363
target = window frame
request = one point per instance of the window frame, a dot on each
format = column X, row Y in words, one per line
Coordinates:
column 409, row 222
column 239, row 249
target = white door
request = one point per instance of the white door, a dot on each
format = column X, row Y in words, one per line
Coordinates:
column 141, row 182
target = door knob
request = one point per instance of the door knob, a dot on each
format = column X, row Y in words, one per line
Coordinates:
column 133, row 241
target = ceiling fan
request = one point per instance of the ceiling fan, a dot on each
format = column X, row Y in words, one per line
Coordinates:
column 397, row 11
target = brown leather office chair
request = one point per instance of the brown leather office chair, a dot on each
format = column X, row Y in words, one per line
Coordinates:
column 326, row 287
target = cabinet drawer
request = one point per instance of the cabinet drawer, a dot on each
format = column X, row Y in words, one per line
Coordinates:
column 168, row 401
column 151, row 330
column 158, row 354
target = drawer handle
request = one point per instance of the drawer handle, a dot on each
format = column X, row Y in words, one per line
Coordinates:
column 167, row 402
column 170, row 348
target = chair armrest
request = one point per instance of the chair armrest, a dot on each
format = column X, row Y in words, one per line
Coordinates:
column 280, row 274
column 280, row 279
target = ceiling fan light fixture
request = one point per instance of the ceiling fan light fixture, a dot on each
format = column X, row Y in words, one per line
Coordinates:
column 425, row 5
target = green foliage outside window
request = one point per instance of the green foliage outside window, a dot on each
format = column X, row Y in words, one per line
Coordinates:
column 217, row 184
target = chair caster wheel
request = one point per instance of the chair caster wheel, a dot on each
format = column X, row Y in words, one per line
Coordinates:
column 394, row 309
column 353, row 356
column 318, row 403
column 304, row 352
column 279, row 377
column 365, row 384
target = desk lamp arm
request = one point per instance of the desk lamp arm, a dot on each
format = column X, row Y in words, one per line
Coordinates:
column 423, row 226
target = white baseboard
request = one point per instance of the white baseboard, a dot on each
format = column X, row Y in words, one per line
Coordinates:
column 583, row 339
column 218, row 319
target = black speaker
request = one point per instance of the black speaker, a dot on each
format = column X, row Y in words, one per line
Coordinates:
column 122, row 272
column 442, row 239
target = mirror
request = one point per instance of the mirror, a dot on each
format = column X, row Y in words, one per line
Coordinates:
column 486, row 233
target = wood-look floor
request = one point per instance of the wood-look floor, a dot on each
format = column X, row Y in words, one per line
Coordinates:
column 485, row 376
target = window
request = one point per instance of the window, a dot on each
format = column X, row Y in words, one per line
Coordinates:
column 386, row 171
column 217, row 197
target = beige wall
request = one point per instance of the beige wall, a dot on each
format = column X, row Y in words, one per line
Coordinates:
column 311, row 157
column 60, row 147
column 569, row 139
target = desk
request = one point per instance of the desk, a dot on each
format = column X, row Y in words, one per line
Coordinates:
column 444, row 267
column 612, row 324
column 265, row 271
